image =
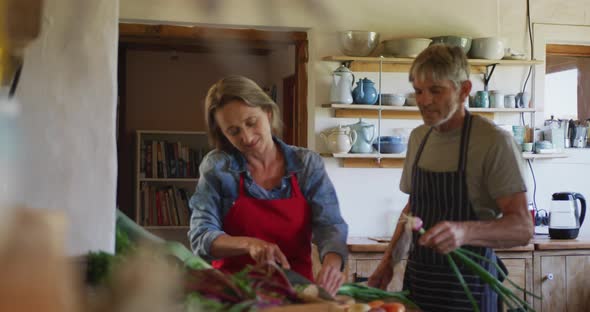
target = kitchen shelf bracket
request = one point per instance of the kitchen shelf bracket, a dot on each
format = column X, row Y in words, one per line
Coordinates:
column 346, row 63
column 488, row 75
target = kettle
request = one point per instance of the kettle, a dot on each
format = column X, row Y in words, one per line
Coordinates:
column 339, row 140
column 342, row 82
column 565, row 217
column 365, row 133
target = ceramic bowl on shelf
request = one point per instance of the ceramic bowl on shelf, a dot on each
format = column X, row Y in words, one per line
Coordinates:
column 390, row 144
column 393, row 99
column 489, row 48
column 358, row 42
column 458, row 41
column 405, row 47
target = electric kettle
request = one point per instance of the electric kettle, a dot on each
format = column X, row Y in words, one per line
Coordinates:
column 565, row 217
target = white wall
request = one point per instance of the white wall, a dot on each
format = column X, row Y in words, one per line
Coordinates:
column 371, row 207
column 67, row 125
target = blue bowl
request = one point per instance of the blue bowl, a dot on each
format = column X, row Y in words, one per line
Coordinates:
column 390, row 139
column 391, row 147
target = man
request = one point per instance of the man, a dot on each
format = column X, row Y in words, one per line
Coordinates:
column 464, row 179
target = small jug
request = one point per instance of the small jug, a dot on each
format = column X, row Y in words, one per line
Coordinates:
column 365, row 134
column 342, row 83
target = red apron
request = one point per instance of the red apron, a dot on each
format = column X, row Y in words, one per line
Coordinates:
column 285, row 222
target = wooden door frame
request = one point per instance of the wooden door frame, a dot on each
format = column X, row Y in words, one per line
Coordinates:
column 573, row 50
column 183, row 35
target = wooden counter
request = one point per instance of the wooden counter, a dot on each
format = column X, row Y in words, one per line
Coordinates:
column 545, row 243
column 366, row 244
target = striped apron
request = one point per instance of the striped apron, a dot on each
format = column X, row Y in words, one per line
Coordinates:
column 435, row 197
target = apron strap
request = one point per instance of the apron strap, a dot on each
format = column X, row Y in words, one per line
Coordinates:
column 465, row 134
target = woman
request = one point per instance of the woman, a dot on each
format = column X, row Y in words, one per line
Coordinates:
column 259, row 199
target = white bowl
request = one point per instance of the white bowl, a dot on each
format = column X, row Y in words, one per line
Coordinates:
column 358, row 42
column 489, row 48
column 405, row 47
column 393, row 99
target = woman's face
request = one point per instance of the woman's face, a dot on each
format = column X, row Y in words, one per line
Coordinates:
column 247, row 128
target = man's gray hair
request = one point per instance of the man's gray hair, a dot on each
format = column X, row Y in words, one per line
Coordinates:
column 441, row 62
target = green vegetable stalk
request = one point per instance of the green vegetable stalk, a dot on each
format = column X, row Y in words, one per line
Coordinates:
column 465, row 256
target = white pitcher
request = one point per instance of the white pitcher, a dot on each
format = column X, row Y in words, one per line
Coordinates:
column 342, row 82
column 339, row 140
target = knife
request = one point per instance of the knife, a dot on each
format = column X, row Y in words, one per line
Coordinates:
column 298, row 279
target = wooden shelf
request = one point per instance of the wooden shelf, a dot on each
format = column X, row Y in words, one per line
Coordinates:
column 372, row 160
column 406, row 112
column 396, row 64
column 543, row 156
column 169, row 180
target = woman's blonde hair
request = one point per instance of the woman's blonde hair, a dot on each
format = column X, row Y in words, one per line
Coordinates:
column 236, row 88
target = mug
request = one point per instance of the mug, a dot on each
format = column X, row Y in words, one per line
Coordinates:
column 496, row 99
column 482, row 99
column 510, row 101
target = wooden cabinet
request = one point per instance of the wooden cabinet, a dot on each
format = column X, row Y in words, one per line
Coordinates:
column 361, row 265
column 520, row 267
column 561, row 277
column 520, row 271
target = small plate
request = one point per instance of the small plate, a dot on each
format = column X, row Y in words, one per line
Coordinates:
column 516, row 57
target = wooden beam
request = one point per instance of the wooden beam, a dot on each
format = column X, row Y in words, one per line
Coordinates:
column 206, row 33
column 567, row 49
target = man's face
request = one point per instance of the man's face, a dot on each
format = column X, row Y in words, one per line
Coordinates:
column 439, row 100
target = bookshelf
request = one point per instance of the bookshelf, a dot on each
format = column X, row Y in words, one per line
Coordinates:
column 166, row 174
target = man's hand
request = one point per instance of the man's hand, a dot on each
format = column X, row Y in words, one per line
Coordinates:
column 382, row 276
column 444, row 237
column 330, row 278
column 265, row 252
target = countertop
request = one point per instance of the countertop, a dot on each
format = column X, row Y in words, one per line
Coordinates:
column 379, row 244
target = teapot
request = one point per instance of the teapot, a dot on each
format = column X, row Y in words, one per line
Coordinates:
column 365, row 92
column 342, row 82
column 365, row 133
column 339, row 140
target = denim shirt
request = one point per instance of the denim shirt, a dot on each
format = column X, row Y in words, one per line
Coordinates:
column 217, row 190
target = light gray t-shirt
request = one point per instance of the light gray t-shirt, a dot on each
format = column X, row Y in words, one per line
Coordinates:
column 494, row 163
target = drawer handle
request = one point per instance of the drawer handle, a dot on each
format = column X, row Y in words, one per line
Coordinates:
column 548, row 277
column 360, row 279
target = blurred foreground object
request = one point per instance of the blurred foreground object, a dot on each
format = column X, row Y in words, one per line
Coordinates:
column 20, row 23
column 36, row 273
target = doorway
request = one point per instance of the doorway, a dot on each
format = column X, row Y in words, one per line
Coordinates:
column 164, row 72
column 567, row 81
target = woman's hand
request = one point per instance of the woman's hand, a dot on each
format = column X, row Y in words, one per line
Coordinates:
column 382, row 276
column 330, row 278
column 265, row 252
column 444, row 237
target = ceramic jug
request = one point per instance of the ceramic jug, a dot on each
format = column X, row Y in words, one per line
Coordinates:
column 365, row 92
column 339, row 140
column 342, row 82
column 365, row 133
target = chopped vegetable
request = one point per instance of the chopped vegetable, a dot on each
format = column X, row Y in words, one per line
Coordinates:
column 367, row 294
column 394, row 307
